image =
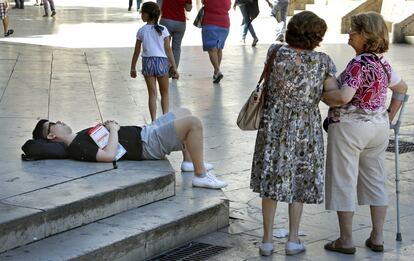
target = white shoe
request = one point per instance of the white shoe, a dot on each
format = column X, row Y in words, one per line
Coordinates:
column 266, row 249
column 208, row 181
column 188, row 166
column 292, row 248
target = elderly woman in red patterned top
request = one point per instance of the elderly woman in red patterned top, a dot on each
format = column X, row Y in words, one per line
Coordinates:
column 358, row 133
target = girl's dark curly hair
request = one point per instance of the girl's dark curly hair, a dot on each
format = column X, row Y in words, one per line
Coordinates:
column 305, row 30
column 153, row 11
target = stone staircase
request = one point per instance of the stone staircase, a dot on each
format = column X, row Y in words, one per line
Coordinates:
column 131, row 213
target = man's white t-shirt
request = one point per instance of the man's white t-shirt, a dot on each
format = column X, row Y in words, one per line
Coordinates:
column 152, row 42
column 2, row 1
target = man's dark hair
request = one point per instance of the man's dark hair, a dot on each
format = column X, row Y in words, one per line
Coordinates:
column 305, row 30
column 38, row 130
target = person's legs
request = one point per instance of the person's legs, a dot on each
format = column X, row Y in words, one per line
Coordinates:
column 372, row 179
column 176, row 41
column 268, row 211
column 295, row 213
column 190, row 131
column 152, row 95
column 378, row 214
column 246, row 20
column 139, row 4
column 129, row 5
column 163, row 86
column 6, row 24
column 214, row 59
column 345, row 228
column 283, row 12
column 247, row 23
column 46, row 7
column 219, row 56
column 52, row 5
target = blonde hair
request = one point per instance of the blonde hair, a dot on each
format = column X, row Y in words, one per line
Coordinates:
column 371, row 26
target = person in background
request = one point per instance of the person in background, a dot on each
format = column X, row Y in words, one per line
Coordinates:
column 279, row 12
column 358, row 132
column 19, row 4
column 4, row 16
column 157, row 57
column 173, row 17
column 46, row 4
column 214, row 31
column 138, row 5
column 37, row 3
column 288, row 161
column 249, row 10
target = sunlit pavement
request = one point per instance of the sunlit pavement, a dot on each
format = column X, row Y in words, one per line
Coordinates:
column 75, row 67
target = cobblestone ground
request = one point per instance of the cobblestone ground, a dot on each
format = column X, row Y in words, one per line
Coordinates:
column 76, row 67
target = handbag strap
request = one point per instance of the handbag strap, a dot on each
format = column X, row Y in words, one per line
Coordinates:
column 383, row 66
column 268, row 66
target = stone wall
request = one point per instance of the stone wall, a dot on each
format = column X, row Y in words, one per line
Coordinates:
column 369, row 5
column 298, row 5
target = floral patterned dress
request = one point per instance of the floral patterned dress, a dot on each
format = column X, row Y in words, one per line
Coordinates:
column 288, row 161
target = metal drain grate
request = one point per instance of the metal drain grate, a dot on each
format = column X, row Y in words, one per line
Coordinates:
column 193, row 251
column 403, row 146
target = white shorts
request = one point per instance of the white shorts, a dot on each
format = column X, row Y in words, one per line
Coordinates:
column 355, row 165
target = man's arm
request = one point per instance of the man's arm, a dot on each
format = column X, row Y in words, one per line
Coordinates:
column 108, row 153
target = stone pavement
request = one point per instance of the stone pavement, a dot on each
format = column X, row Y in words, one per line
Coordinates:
column 76, row 68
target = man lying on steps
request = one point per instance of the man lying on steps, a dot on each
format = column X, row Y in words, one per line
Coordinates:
column 173, row 131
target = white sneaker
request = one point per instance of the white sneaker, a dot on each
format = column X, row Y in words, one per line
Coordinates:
column 208, row 181
column 266, row 249
column 188, row 166
column 292, row 248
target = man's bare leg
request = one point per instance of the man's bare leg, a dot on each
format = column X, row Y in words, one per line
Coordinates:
column 181, row 113
column 190, row 131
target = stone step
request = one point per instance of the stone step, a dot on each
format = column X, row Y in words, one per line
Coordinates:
column 45, row 211
column 137, row 234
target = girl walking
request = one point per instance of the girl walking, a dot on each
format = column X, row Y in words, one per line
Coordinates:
column 157, row 57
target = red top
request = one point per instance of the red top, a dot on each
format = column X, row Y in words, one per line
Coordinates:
column 216, row 12
column 174, row 9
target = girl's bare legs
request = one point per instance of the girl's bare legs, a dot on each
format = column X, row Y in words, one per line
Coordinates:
column 152, row 95
column 163, row 85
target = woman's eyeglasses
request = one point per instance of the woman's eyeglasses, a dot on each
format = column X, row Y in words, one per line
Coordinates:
column 50, row 125
column 351, row 31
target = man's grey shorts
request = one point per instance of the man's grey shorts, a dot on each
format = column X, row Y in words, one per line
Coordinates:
column 160, row 138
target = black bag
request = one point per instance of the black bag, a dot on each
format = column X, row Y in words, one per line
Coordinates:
column 43, row 149
column 243, row 2
column 199, row 18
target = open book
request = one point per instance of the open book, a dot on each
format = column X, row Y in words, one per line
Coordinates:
column 101, row 136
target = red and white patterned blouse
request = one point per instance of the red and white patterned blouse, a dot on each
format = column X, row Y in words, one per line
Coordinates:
column 368, row 77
